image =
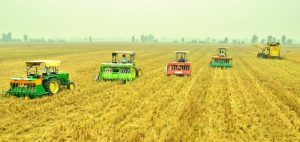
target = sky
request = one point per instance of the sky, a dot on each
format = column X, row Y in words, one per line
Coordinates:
column 163, row 18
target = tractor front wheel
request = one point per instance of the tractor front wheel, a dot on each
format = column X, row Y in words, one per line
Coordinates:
column 71, row 86
column 52, row 86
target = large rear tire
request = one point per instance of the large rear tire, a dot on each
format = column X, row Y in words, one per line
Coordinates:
column 52, row 86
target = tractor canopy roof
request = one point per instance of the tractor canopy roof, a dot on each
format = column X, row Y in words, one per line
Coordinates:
column 222, row 48
column 48, row 63
column 273, row 43
column 117, row 64
column 123, row 52
column 181, row 51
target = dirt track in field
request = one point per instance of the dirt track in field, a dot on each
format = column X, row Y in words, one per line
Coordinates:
column 256, row 100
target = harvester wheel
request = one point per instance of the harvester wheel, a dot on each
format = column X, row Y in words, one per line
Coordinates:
column 138, row 72
column 97, row 77
column 71, row 86
column 134, row 72
column 52, row 86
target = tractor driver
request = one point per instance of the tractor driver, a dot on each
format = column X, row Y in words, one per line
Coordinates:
column 124, row 59
column 181, row 59
column 45, row 70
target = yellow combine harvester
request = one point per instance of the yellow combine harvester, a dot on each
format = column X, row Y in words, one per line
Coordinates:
column 272, row 50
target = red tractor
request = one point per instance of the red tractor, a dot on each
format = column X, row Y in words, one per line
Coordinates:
column 181, row 66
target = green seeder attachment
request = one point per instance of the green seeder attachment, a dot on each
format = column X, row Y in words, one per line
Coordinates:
column 26, row 87
column 221, row 62
column 123, row 72
column 119, row 69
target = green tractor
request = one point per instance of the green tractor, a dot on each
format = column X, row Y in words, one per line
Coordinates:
column 122, row 69
column 222, row 59
column 36, row 85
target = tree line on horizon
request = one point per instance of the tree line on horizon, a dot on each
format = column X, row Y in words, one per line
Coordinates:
column 8, row 37
column 150, row 38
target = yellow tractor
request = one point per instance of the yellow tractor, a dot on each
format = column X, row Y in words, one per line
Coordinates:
column 272, row 50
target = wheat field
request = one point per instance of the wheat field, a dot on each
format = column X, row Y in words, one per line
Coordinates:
column 256, row 100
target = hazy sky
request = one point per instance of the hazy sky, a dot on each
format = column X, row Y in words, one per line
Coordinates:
column 171, row 18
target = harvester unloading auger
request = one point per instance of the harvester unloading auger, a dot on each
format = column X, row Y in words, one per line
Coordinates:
column 272, row 50
column 222, row 59
column 36, row 85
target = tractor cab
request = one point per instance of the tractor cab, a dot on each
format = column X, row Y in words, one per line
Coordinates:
column 49, row 68
column 181, row 56
column 37, row 84
column 121, row 68
column 181, row 66
column 222, row 52
column 126, row 57
column 222, row 59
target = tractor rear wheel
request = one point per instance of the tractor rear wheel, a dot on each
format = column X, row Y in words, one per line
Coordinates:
column 52, row 86
column 71, row 86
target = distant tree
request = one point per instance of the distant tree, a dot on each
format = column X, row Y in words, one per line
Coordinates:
column 3, row 37
column 263, row 41
column 234, row 41
column 283, row 39
column 254, row 39
column 9, row 36
column 269, row 38
column 207, row 40
column 90, row 39
column 194, row 41
column 142, row 38
column 151, row 38
column 6, row 37
column 182, row 39
column 289, row 41
column 25, row 37
column 133, row 39
column 225, row 40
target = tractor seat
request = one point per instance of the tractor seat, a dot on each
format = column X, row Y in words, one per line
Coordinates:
column 182, row 60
